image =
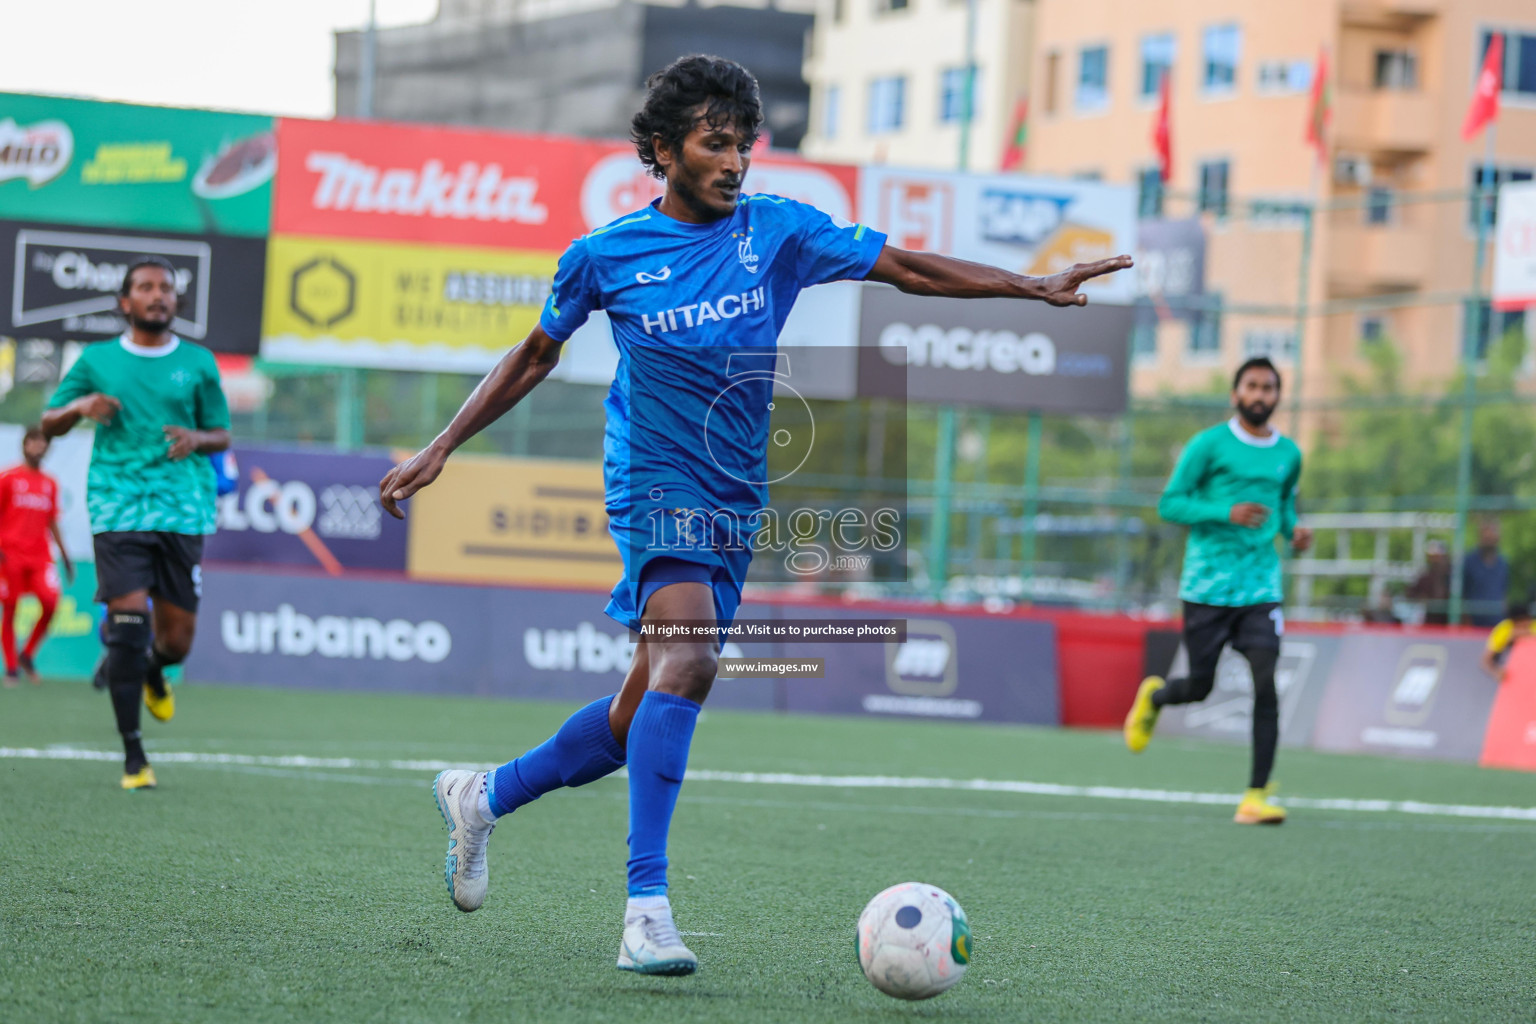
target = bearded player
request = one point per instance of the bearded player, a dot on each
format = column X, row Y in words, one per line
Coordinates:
column 157, row 402
column 1235, row 488
column 702, row 277
column 29, row 515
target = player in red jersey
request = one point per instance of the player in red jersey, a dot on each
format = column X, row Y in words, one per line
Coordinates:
column 29, row 512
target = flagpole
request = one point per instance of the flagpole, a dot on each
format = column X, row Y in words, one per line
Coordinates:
column 1478, row 329
column 1320, row 115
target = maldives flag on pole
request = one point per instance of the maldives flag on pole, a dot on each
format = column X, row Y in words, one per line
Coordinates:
column 1162, row 131
column 1490, row 81
column 1018, row 138
column 1322, row 107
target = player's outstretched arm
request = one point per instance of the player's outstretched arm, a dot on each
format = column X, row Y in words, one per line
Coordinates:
column 927, row 273
column 518, row 373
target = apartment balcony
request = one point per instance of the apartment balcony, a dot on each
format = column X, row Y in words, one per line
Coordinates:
column 1384, row 120
column 1393, row 14
column 1365, row 258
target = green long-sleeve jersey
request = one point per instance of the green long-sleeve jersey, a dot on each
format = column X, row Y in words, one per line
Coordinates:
column 1226, row 564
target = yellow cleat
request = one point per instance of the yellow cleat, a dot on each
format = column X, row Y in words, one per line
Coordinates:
column 1257, row 810
column 163, row 708
column 144, row 778
column 1142, row 718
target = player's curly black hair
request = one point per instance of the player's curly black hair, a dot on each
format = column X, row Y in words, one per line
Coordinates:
column 725, row 89
column 145, row 261
column 1256, row 363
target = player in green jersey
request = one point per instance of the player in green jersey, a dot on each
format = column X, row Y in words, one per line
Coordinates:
column 156, row 400
column 1235, row 488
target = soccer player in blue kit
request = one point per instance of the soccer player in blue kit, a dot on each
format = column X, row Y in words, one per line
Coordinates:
column 702, row 276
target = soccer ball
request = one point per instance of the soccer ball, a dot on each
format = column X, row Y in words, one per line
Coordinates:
column 914, row 941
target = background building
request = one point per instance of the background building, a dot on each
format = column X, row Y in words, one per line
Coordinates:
column 887, row 80
column 575, row 67
column 1393, row 255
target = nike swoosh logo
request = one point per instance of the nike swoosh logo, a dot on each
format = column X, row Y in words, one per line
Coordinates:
column 659, row 276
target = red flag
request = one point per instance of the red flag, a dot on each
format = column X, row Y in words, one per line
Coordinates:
column 1162, row 131
column 1490, row 81
column 1322, row 107
column 1018, row 138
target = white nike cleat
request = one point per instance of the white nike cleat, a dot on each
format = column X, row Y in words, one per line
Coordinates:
column 458, row 793
column 651, row 945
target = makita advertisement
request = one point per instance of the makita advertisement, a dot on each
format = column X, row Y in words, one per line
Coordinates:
column 449, row 186
column 318, row 510
column 64, row 283
column 996, row 352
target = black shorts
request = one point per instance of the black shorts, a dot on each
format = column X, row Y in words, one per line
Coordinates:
column 1209, row 627
column 165, row 564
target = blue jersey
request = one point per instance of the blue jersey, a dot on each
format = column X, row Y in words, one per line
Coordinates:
column 690, row 306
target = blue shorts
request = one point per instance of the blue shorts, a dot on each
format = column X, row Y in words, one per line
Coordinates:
column 648, row 569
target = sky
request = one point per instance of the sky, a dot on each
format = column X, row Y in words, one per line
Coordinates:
column 264, row 56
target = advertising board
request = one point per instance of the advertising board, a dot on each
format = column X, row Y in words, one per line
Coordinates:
column 64, row 283
column 123, row 165
column 316, row 509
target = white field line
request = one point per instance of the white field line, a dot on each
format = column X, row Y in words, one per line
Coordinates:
column 1156, row 796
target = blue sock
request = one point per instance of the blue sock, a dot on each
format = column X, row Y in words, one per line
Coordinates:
column 583, row 751
column 658, row 755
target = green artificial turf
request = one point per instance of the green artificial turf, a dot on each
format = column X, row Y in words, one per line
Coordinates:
column 263, row 892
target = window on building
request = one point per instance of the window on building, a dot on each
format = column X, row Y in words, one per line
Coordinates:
column 1488, row 326
column 1093, row 78
column 1278, row 343
column 1205, row 328
column 1373, row 329
column 887, row 104
column 952, row 95
column 1481, row 179
column 1052, row 76
column 1215, row 176
column 1397, row 69
column 1378, row 205
column 1149, row 192
column 1091, row 174
column 1144, row 340
column 837, row 12
column 830, row 102
column 1519, row 62
column 1156, row 61
column 1222, row 45
column 1283, row 77
column 886, row 6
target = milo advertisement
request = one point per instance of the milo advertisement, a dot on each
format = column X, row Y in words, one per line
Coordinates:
column 122, row 165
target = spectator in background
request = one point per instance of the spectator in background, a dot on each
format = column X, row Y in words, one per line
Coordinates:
column 1433, row 585
column 1384, row 611
column 1516, row 625
column 1484, row 578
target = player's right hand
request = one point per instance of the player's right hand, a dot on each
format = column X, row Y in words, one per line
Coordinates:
column 98, row 407
column 1249, row 513
column 409, row 477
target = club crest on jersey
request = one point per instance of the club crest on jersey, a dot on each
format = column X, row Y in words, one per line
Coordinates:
column 181, row 378
column 744, row 251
